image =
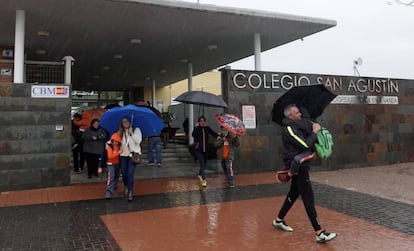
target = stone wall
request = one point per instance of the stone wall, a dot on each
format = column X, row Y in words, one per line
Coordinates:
column 34, row 152
column 372, row 121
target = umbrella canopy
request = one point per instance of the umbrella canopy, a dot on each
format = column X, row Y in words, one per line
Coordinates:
column 143, row 118
column 110, row 106
column 201, row 98
column 231, row 123
column 146, row 105
column 314, row 98
column 88, row 115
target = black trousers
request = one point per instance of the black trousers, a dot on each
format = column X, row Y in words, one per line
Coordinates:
column 301, row 186
column 92, row 160
column 78, row 157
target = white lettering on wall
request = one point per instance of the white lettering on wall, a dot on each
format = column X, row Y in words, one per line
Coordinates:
column 266, row 80
column 360, row 99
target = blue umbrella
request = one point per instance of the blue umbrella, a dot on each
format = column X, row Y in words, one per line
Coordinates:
column 141, row 117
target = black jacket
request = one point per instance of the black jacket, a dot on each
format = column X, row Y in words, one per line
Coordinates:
column 200, row 135
column 76, row 134
column 297, row 136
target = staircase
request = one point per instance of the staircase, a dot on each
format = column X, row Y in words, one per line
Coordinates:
column 176, row 162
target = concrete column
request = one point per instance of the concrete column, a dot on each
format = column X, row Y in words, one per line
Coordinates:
column 68, row 69
column 98, row 103
column 190, row 106
column 257, row 52
column 153, row 97
column 19, row 47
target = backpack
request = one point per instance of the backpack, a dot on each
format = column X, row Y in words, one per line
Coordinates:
column 325, row 143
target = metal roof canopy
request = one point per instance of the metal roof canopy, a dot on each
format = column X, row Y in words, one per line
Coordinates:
column 94, row 31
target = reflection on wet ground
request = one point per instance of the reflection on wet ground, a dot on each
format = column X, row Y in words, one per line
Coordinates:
column 174, row 214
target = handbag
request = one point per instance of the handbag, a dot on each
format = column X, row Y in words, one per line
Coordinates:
column 136, row 158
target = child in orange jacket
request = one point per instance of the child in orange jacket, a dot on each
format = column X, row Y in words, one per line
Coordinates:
column 113, row 150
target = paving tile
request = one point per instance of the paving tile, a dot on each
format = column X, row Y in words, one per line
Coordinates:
column 245, row 225
column 174, row 214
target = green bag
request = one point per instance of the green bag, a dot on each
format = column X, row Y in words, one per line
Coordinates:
column 324, row 147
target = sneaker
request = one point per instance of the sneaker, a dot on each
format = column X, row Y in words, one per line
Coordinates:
column 126, row 191
column 130, row 197
column 231, row 184
column 151, row 163
column 107, row 195
column 282, row 225
column 325, row 237
column 159, row 164
column 204, row 183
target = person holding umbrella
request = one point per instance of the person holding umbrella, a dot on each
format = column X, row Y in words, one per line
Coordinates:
column 297, row 139
column 226, row 143
column 131, row 143
column 200, row 135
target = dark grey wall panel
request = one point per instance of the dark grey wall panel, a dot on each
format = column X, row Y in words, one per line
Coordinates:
column 33, row 154
column 365, row 134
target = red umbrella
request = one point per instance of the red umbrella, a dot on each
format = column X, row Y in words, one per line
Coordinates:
column 231, row 123
column 88, row 115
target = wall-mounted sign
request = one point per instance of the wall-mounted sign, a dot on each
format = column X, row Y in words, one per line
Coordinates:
column 6, row 72
column 249, row 116
column 50, row 91
column 350, row 90
column 7, row 53
column 359, row 99
column 284, row 81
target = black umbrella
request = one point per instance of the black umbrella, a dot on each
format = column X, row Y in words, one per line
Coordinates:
column 146, row 105
column 201, row 98
column 110, row 106
column 314, row 98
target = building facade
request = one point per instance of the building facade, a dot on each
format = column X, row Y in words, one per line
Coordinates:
column 371, row 119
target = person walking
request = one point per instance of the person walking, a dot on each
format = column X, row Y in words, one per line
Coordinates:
column 200, row 135
column 131, row 142
column 112, row 163
column 297, row 140
column 226, row 143
column 77, row 145
column 154, row 145
column 94, row 139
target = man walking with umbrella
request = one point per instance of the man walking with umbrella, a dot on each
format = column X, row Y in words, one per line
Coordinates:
column 297, row 139
column 200, row 135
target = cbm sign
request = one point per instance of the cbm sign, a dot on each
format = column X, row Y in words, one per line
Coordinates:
column 50, row 91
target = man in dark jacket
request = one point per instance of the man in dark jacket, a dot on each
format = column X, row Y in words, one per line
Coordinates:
column 200, row 135
column 298, row 137
column 77, row 145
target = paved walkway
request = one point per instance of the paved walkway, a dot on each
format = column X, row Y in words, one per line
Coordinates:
column 174, row 214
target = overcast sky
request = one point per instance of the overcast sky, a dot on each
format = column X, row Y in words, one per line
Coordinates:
column 380, row 32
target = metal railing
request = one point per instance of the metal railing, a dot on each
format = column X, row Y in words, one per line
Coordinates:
column 45, row 72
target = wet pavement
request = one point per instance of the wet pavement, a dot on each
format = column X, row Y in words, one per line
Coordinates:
column 174, row 214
